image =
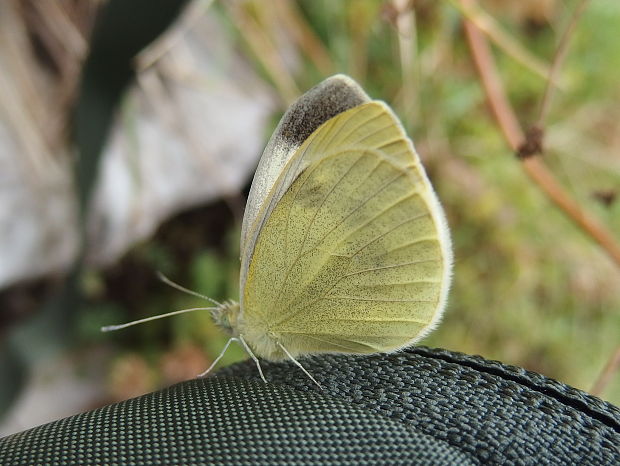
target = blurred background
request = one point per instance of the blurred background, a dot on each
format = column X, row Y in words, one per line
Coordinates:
column 130, row 131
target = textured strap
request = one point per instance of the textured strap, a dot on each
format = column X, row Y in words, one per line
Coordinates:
column 420, row 406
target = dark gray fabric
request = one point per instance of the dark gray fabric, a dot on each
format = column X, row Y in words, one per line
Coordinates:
column 421, row 406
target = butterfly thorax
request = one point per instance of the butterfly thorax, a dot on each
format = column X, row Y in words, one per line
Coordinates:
column 229, row 317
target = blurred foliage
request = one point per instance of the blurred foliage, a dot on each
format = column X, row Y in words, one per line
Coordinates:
column 530, row 288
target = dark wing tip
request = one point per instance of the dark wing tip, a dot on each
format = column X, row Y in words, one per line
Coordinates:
column 324, row 101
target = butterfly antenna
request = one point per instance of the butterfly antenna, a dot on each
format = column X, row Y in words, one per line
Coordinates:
column 169, row 282
column 299, row 365
column 110, row 328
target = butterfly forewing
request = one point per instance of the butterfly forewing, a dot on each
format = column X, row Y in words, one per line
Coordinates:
column 353, row 254
column 326, row 100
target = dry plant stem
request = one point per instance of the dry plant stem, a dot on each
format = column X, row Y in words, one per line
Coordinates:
column 493, row 87
column 611, row 368
column 24, row 101
column 358, row 28
column 487, row 24
column 558, row 60
column 261, row 45
column 67, row 46
column 164, row 43
column 534, row 167
column 63, row 28
column 304, row 35
column 407, row 46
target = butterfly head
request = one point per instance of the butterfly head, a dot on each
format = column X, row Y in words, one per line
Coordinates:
column 226, row 316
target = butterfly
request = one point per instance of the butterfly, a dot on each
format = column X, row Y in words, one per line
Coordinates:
column 344, row 244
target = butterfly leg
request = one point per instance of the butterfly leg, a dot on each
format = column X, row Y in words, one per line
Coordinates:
column 249, row 351
column 219, row 357
column 299, row 364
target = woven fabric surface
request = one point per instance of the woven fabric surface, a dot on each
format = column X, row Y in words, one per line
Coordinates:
column 420, row 406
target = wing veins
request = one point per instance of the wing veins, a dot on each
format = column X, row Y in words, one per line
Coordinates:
column 382, row 128
column 396, row 335
column 377, row 300
column 389, row 143
column 292, row 204
column 390, row 231
column 368, row 199
column 378, row 285
column 353, row 273
column 324, row 295
column 374, row 117
column 309, row 227
column 411, row 321
column 399, row 139
column 354, row 210
column 348, row 340
column 394, row 204
column 373, row 269
column 313, row 337
column 413, row 243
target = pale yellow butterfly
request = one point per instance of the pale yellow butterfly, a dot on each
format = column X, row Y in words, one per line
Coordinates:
column 344, row 245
